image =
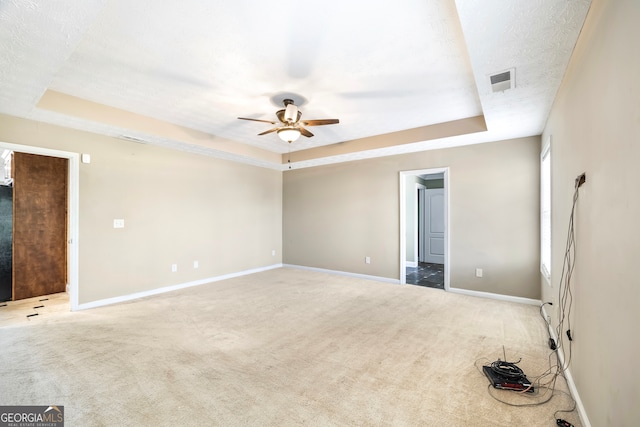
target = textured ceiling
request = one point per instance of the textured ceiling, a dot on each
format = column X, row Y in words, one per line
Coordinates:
column 178, row 74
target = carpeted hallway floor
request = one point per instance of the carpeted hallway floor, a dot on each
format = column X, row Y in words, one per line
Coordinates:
column 281, row 348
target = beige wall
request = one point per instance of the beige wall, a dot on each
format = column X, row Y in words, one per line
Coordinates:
column 595, row 128
column 334, row 216
column 177, row 208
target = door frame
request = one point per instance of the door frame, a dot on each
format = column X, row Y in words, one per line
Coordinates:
column 403, row 221
column 73, row 210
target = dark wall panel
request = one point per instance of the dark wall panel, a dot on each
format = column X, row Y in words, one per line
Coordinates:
column 6, row 235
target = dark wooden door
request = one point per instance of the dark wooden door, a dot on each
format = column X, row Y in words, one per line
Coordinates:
column 39, row 225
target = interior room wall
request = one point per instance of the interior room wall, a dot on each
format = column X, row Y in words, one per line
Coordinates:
column 433, row 183
column 178, row 208
column 410, row 214
column 595, row 128
column 336, row 215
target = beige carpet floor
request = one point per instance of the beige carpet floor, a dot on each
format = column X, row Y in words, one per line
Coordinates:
column 281, row 348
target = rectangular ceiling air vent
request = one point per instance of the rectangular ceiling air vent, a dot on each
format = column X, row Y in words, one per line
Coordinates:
column 133, row 138
column 504, row 80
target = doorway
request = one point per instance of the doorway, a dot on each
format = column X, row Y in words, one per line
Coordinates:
column 72, row 207
column 424, row 223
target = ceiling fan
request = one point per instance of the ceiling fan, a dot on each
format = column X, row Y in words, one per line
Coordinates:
column 291, row 127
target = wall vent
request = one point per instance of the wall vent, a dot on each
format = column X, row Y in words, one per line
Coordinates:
column 503, row 80
column 132, row 138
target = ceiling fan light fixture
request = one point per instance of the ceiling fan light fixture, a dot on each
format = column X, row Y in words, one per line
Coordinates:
column 292, row 127
column 289, row 133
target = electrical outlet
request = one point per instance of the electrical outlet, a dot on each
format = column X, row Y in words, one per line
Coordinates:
column 273, row 252
column 479, row 272
column 367, row 260
column 118, row 223
column 195, row 264
column 174, row 268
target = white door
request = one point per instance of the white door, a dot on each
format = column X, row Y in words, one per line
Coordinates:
column 432, row 208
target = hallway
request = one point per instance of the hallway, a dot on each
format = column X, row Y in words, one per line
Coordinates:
column 426, row 274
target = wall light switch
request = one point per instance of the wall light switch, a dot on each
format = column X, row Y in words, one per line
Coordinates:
column 118, row 223
column 174, row 267
column 85, row 158
column 478, row 272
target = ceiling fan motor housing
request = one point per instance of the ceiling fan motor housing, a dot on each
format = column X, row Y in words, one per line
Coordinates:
column 291, row 114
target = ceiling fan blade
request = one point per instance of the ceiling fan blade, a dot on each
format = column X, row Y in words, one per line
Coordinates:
column 257, row 120
column 320, row 122
column 305, row 132
column 268, row 131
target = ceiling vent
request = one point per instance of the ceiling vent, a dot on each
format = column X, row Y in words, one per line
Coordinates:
column 503, row 80
column 132, row 138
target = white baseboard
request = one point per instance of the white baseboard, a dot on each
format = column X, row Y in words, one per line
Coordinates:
column 411, row 264
column 582, row 413
column 344, row 273
column 500, row 297
column 137, row 295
